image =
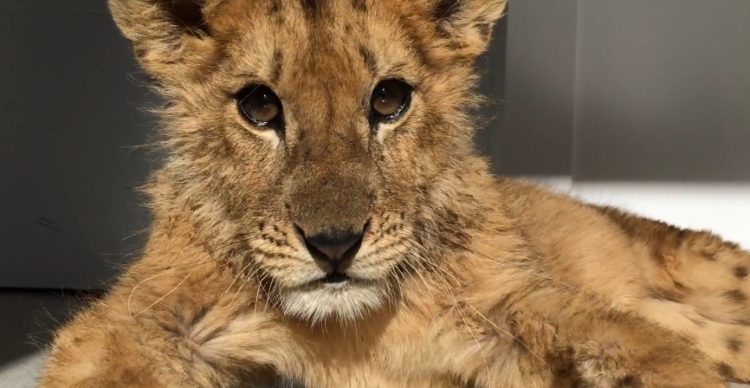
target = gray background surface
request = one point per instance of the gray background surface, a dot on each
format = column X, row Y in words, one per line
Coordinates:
column 663, row 90
column 627, row 90
column 535, row 133
column 71, row 109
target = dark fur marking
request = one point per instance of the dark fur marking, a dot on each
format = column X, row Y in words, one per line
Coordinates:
column 709, row 256
column 173, row 329
column 275, row 7
column 369, row 58
column 329, row 106
column 360, row 5
column 131, row 378
column 697, row 321
column 485, row 30
column 237, row 248
column 734, row 344
column 271, row 255
column 376, row 239
column 664, row 294
column 276, row 65
column 736, row 296
column 740, row 272
column 391, row 230
column 198, row 316
column 657, row 255
column 442, row 13
column 456, row 45
column 274, row 240
column 725, row 370
column 189, row 14
column 629, row 381
column 420, row 51
column 419, row 231
column 445, row 9
column 680, row 287
column 311, row 8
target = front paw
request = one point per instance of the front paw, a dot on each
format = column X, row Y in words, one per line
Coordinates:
column 611, row 365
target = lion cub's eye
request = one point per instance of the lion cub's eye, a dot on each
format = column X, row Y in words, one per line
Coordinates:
column 259, row 105
column 390, row 99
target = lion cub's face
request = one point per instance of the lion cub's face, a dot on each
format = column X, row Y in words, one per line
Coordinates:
column 307, row 135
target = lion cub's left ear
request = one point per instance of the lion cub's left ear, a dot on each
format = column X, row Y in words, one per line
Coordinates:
column 170, row 37
column 467, row 24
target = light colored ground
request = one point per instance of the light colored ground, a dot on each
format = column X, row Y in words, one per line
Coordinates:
column 21, row 373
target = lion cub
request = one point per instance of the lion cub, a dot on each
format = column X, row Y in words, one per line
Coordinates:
column 323, row 220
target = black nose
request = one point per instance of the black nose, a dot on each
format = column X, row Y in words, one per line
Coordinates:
column 334, row 250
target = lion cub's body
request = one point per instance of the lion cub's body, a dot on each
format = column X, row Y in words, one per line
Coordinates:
column 462, row 280
column 545, row 279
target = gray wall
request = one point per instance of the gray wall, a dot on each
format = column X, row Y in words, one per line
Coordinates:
column 627, row 90
column 663, row 90
column 71, row 114
column 535, row 135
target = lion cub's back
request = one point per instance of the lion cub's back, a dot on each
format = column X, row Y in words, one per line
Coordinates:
column 576, row 241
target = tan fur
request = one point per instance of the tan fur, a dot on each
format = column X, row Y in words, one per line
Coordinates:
column 465, row 280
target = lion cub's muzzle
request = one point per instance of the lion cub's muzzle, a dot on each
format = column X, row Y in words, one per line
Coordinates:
column 330, row 209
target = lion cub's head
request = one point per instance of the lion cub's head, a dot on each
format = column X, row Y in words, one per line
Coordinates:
column 323, row 142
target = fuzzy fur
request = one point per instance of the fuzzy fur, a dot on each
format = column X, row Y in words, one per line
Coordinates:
column 464, row 279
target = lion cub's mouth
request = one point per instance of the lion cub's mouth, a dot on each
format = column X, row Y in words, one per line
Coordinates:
column 335, row 278
column 338, row 281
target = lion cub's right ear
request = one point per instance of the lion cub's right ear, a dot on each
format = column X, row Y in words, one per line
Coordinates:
column 170, row 37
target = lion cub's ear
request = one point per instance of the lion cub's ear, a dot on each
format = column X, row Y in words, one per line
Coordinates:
column 170, row 37
column 467, row 24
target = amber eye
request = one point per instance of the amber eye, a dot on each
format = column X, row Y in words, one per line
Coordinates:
column 259, row 105
column 390, row 99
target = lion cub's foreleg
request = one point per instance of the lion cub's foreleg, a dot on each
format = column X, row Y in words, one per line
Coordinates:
column 168, row 328
column 572, row 339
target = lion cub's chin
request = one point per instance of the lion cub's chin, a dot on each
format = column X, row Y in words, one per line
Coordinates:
column 343, row 301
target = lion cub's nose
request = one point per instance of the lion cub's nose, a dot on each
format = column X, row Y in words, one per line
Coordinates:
column 335, row 249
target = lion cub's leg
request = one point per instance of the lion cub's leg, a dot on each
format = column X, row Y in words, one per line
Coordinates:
column 585, row 343
column 699, row 286
column 167, row 327
column 703, row 293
